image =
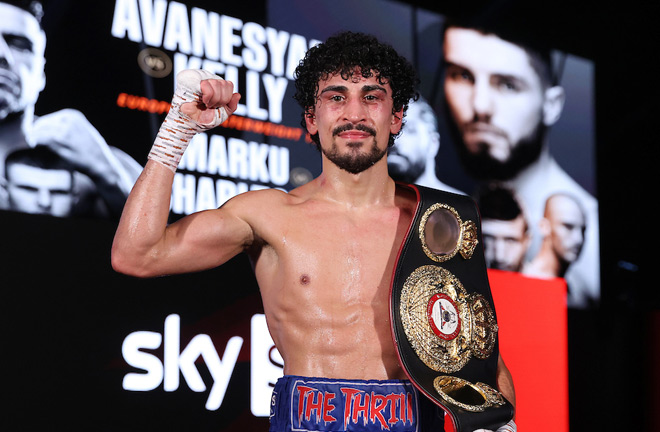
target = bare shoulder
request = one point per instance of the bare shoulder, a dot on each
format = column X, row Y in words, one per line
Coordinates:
column 253, row 204
column 265, row 213
column 261, row 209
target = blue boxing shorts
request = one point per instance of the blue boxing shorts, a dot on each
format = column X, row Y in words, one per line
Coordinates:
column 324, row 404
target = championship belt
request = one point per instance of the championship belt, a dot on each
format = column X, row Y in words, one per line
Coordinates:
column 443, row 320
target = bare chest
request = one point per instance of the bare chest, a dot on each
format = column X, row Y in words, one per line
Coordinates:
column 325, row 280
column 330, row 256
column 344, row 251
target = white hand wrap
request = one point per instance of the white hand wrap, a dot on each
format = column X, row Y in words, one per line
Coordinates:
column 509, row 427
column 178, row 129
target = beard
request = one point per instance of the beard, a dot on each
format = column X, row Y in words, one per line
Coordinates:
column 402, row 168
column 354, row 162
column 483, row 166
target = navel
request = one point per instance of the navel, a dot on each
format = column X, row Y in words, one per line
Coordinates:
column 304, row 279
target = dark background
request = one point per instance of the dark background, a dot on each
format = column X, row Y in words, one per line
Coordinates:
column 65, row 312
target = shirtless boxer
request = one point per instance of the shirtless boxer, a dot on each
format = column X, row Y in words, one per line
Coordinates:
column 323, row 254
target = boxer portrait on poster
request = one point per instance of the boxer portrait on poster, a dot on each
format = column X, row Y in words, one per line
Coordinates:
column 502, row 94
column 92, row 179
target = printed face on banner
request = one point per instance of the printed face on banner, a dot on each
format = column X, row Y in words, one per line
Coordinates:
column 505, row 243
column 501, row 98
column 494, row 94
column 419, row 141
column 566, row 226
column 40, row 191
column 22, row 45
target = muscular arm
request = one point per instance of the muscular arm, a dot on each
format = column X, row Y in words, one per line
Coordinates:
column 145, row 245
column 505, row 385
column 505, row 382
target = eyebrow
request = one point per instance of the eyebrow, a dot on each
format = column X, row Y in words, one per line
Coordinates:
column 446, row 64
column 513, row 78
column 504, row 75
column 342, row 88
column 373, row 87
column 9, row 37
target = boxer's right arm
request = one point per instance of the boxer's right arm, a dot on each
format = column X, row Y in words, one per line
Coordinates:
column 145, row 245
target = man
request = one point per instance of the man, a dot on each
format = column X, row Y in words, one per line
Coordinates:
column 563, row 227
column 323, row 254
column 412, row 159
column 501, row 97
column 39, row 182
column 101, row 171
column 504, row 228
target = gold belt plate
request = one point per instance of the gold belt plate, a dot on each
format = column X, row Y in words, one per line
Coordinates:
column 444, row 324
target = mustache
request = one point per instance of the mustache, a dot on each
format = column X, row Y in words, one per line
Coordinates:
column 480, row 126
column 349, row 126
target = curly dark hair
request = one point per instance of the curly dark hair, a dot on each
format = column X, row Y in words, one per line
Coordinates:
column 346, row 52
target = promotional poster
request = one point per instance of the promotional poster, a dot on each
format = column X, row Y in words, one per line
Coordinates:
column 83, row 96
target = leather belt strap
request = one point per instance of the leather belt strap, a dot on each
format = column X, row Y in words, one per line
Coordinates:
column 443, row 319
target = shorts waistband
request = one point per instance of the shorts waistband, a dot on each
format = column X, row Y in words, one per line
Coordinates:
column 312, row 404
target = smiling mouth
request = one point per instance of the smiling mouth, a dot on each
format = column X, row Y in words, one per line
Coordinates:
column 353, row 135
column 349, row 131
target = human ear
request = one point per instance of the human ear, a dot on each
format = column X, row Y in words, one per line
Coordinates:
column 553, row 104
column 310, row 122
column 397, row 122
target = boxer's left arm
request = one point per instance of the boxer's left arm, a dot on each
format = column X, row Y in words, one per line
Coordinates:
column 505, row 382
column 505, row 385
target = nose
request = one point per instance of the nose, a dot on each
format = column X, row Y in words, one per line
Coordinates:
column 482, row 100
column 500, row 249
column 44, row 199
column 354, row 110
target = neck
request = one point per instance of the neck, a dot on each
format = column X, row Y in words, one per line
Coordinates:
column 537, row 169
column 429, row 169
column 13, row 135
column 15, row 125
column 548, row 262
column 371, row 187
